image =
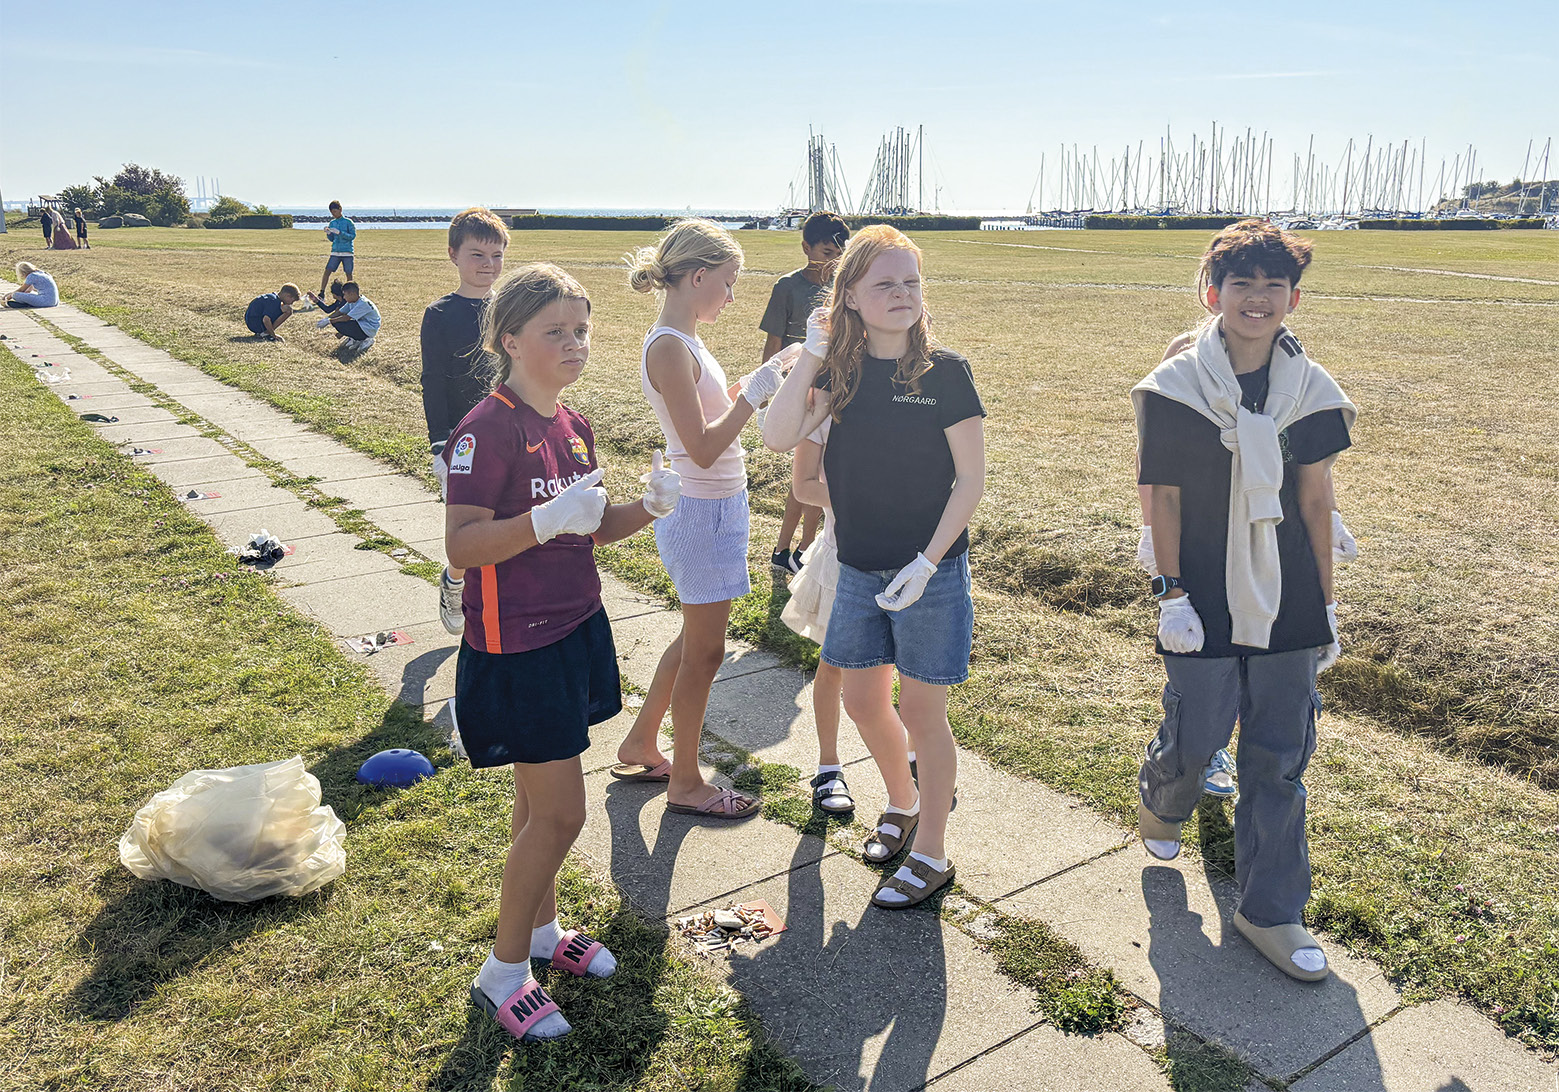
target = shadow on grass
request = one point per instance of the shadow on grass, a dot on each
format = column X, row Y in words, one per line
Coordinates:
column 402, row 726
column 149, row 933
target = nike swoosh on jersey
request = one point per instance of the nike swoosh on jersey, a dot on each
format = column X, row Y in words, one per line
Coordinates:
column 533, row 448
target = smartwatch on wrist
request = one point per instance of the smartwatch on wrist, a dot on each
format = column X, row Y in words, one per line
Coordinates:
column 1163, row 585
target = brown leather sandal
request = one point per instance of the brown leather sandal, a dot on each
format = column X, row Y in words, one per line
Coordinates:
column 894, row 844
column 934, row 881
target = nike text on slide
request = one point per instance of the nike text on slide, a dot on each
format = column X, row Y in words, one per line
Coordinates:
column 465, row 451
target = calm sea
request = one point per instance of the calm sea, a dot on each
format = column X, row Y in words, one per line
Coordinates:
column 733, row 217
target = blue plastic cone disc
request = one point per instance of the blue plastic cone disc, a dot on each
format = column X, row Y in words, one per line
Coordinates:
column 395, row 768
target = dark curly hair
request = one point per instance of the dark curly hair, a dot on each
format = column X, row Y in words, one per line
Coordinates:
column 1249, row 247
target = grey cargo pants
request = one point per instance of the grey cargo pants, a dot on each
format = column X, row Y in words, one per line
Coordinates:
column 1275, row 700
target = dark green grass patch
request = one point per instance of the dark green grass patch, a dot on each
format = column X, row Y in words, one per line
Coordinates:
column 136, row 649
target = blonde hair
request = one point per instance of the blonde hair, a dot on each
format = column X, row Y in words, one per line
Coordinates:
column 520, row 297
column 689, row 246
column 24, row 268
column 847, row 331
column 292, row 288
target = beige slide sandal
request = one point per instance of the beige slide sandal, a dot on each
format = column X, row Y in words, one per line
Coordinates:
column 1279, row 943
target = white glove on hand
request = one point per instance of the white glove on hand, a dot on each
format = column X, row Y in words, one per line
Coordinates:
column 575, row 511
column 664, row 488
column 1145, row 559
column 763, row 384
column 817, row 333
column 1327, row 656
column 1345, row 547
column 908, row 585
column 1179, row 626
column 441, row 469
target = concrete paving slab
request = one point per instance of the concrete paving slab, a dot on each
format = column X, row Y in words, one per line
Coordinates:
column 332, row 468
column 641, row 638
column 1168, row 933
column 769, row 713
column 1060, row 831
column 215, row 407
column 664, row 862
column 291, row 521
column 409, row 521
column 623, row 600
column 423, row 672
column 148, row 414
column 1439, row 1047
column 365, row 604
column 255, row 428
column 299, row 445
column 186, row 447
column 389, row 490
column 867, row 998
column 333, row 557
column 107, row 399
column 1048, row 1060
column 185, row 473
column 431, row 548
column 144, row 435
column 242, row 495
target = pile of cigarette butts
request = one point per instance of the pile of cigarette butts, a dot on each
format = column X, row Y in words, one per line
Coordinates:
column 725, row 929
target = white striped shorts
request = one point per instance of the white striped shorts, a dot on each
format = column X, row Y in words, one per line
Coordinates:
column 703, row 545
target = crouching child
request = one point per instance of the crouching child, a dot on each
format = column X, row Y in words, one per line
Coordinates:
column 1237, row 435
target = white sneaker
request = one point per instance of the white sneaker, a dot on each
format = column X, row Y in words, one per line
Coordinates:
column 351, row 344
column 449, row 609
column 366, row 344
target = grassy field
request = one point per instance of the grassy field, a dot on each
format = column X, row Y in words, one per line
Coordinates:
column 133, row 651
column 1440, row 753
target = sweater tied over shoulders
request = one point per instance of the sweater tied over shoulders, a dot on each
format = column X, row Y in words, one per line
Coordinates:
column 1202, row 377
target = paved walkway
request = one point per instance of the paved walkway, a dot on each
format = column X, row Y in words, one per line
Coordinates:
column 863, row 998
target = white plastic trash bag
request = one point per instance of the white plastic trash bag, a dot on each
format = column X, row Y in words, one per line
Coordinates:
column 240, row 834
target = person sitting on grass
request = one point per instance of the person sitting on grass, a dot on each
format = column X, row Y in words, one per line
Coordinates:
column 337, row 298
column 37, row 288
column 266, row 313
column 356, row 321
column 1236, row 439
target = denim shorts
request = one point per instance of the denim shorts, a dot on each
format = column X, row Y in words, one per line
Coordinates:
column 703, row 545
column 928, row 641
column 339, row 261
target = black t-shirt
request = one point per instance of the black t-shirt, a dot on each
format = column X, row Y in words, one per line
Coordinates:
column 453, row 380
column 889, row 467
column 1180, row 447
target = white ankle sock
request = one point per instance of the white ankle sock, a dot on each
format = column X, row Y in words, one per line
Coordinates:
column 500, row 980
column 913, row 809
column 1308, row 959
column 909, row 877
column 912, row 756
column 452, row 582
column 825, row 768
column 544, row 940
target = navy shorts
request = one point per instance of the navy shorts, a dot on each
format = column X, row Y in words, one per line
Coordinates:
column 339, row 261
column 537, row 706
column 929, row 640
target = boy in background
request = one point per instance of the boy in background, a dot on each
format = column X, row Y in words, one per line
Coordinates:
column 357, row 320
column 454, row 378
column 340, row 231
column 81, row 231
column 1236, row 440
column 266, row 313
column 795, row 296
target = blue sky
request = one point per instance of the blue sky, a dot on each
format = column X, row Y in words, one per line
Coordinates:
column 651, row 104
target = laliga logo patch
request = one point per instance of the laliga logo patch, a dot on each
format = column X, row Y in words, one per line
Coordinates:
column 581, row 452
column 465, row 451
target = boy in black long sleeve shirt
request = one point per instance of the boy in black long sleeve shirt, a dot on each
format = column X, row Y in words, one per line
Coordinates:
column 454, row 378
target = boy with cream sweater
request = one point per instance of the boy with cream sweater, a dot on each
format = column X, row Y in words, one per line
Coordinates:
column 1236, row 438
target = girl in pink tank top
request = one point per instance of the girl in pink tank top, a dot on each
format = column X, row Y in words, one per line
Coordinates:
column 703, row 543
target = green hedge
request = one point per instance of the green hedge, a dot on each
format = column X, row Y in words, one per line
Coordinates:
column 1448, row 225
column 251, row 220
column 554, row 222
column 1151, row 223
column 918, row 223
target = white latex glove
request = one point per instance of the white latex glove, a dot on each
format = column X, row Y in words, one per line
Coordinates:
column 1327, row 656
column 817, row 333
column 575, row 511
column 663, row 488
column 908, row 585
column 1179, row 626
column 1145, row 559
column 763, row 384
column 441, row 469
column 1345, row 547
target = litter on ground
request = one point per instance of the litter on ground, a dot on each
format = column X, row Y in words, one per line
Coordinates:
column 731, row 926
